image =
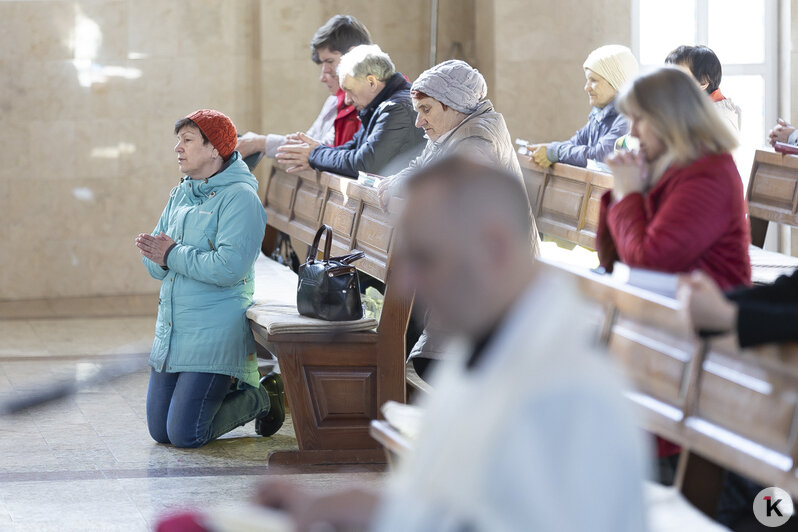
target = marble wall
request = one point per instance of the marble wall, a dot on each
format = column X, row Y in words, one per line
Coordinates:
column 89, row 92
column 90, row 89
column 532, row 52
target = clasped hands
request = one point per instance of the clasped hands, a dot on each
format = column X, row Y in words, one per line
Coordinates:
column 296, row 152
column 154, row 247
column 780, row 133
column 630, row 173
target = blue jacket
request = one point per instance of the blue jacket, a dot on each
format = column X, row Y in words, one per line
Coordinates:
column 594, row 141
column 218, row 226
column 387, row 140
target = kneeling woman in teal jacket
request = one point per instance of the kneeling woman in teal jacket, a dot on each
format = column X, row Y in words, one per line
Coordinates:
column 204, row 380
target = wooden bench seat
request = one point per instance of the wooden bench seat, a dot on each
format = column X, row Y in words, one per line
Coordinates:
column 336, row 375
column 273, row 312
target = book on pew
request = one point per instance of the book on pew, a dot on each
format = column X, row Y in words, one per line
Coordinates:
column 664, row 284
column 406, row 419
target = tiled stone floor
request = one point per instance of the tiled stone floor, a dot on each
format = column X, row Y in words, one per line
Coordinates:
column 87, row 462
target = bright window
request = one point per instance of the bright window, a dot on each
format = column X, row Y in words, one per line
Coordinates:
column 743, row 34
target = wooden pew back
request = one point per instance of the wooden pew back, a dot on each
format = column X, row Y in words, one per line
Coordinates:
column 565, row 200
column 772, row 193
column 298, row 204
column 737, row 409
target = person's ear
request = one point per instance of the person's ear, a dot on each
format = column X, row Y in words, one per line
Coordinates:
column 372, row 79
column 214, row 154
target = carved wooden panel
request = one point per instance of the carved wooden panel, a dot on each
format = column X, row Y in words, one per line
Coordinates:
column 592, row 211
column 342, row 395
column 562, row 200
column 656, row 364
column 339, row 213
column 308, row 205
column 746, row 401
column 374, row 235
column 280, row 194
column 773, row 188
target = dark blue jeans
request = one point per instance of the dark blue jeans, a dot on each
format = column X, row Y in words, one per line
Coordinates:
column 190, row 409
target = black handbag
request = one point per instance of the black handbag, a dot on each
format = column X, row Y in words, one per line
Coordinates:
column 329, row 289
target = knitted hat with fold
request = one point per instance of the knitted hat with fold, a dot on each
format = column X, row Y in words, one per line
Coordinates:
column 453, row 83
column 218, row 128
column 613, row 62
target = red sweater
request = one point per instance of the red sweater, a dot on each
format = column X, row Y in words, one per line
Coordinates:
column 347, row 122
column 694, row 218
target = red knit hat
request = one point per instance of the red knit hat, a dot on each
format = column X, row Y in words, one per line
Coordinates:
column 219, row 129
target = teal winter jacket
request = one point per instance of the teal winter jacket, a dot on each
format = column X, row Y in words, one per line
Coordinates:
column 218, row 225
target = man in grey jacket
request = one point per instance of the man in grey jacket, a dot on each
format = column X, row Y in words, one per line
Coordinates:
column 387, row 140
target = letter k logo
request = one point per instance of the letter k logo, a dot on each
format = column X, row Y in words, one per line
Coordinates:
column 772, row 506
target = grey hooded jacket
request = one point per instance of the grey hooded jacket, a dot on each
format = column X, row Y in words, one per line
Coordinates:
column 482, row 134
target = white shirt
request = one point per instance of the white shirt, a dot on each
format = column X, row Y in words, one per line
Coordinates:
column 538, row 437
column 322, row 129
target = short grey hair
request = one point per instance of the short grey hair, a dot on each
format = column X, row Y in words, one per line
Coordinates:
column 365, row 60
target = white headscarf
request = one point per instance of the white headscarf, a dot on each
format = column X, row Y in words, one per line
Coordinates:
column 613, row 62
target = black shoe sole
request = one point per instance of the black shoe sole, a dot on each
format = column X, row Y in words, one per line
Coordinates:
column 270, row 423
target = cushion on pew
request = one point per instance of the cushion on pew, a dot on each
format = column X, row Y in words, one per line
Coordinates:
column 767, row 266
column 669, row 511
column 275, row 283
column 274, row 304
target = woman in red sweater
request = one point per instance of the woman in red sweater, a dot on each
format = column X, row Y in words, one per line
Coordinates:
column 677, row 205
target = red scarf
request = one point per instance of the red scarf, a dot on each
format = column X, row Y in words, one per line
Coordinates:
column 717, row 96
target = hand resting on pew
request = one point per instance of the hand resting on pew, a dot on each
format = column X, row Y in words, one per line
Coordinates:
column 756, row 315
column 709, row 310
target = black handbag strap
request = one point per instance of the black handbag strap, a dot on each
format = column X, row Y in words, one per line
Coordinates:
column 327, row 231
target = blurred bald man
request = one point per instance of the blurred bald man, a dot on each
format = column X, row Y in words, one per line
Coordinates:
column 526, row 428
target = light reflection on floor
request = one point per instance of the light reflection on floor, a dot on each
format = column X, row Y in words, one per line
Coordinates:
column 88, row 463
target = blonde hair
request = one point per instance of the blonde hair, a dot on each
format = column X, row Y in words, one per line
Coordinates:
column 685, row 119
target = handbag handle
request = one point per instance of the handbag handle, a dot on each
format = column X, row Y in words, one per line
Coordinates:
column 314, row 249
column 352, row 257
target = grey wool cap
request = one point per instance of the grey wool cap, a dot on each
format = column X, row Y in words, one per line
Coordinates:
column 454, row 83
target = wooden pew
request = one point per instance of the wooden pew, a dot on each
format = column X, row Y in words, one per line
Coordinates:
column 565, row 200
column 772, row 197
column 334, row 381
column 727, row 408
column 772, row 193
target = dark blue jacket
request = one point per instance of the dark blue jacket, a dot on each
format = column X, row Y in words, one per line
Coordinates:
column 594, row 141
column 385, row 143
